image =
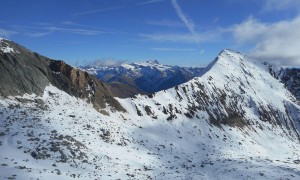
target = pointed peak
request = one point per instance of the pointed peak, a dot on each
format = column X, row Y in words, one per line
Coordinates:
column 230, row 55
column 152, row 62
column 226, row 57
column 229, row 52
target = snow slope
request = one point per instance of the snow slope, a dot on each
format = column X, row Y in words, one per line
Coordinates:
column 70, row 139
column 234, row 122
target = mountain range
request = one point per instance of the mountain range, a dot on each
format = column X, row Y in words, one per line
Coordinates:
column 142, row 78
column 237, row 118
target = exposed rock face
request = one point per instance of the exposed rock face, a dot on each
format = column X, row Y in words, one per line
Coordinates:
column 291, row 79
column 23, row 71
column 123, row 90
column 289, row 76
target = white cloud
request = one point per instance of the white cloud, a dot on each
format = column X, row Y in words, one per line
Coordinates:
column 249, row 30
column 181, row 38
column 7, row 33
column 66, row 27
column 187, row 21
column 40, row 31
column 97, row 11
column 50, row 30
column 165, row 22
column 106, row 62
column 76, row 31
column 271, row 5
column 172, row 49
column 148, row 2
column 39, row 34
column 71, row 23
column 277, row 42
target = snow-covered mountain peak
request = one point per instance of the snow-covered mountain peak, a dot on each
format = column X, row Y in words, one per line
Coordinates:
column 152, row 62
column 228, row 63
column 231, row 63
column 229, row 55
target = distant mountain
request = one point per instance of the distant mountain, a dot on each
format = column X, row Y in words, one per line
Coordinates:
column 146, row 77
column 239, row 119
column 23, row 71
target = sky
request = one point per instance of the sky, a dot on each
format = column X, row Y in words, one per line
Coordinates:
column 174, row 32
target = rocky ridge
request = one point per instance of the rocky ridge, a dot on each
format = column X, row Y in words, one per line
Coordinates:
column 23, row 71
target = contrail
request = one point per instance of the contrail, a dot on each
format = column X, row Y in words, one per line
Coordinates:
column 188, row 23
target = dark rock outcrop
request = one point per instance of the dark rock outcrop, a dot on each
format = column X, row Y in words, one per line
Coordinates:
column 291, row 79
column 23, row 71
column 289, row 76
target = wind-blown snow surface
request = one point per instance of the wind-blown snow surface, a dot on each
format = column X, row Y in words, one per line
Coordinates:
column 62, row 137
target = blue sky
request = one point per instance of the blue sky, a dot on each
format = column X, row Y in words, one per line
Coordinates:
column 177, row 32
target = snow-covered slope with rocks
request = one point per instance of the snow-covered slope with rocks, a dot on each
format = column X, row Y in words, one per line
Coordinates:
column 65, row 138
column 236, row 121
column 145, row 77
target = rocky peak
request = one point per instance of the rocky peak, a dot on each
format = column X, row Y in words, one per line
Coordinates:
column 152, row 62
column 26, row 72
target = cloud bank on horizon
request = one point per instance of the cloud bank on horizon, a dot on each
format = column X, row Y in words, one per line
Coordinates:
column 176, row 32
